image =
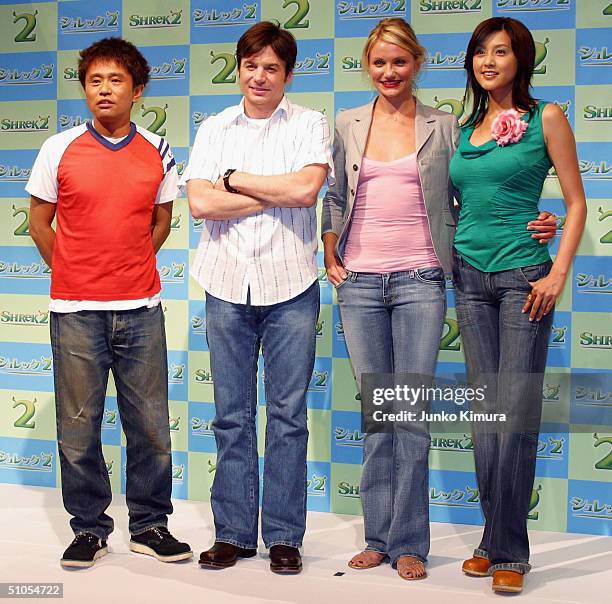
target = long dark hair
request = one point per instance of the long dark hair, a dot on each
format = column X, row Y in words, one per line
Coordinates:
column 523, row 48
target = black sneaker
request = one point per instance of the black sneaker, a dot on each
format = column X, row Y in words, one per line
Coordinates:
column 159, row 543
column 84, row 550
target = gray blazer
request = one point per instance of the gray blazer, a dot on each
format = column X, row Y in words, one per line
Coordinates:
column 437, row 137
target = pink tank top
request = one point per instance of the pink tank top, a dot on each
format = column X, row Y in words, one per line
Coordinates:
column 389, row 228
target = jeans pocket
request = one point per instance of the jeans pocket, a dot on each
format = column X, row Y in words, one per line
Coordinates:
column 535, row 272
column 348, row 278
column 431, row 276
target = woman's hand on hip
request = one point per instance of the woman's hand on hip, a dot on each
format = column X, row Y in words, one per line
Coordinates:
column 336, row 273
column 545, row 225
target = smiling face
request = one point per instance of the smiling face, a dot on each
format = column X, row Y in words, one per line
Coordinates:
column 495, row 64
column 262, row 81
column 110, row 92
column 392, row 69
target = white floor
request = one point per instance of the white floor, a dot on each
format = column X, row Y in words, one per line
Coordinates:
column 34, row 532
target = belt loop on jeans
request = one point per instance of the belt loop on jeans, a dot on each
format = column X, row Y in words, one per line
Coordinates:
column 458, row 261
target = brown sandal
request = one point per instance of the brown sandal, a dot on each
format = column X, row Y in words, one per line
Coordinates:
column 411, row 568
column 366, row 559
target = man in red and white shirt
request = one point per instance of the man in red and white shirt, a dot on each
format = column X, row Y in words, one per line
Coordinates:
column 254, row 175
column 110, row 185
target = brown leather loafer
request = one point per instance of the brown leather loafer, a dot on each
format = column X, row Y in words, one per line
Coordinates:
column 224, row 555
column 285, row 560
column 507, row 581
column 476, row 567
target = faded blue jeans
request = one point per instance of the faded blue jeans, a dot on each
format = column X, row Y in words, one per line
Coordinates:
column 392, row 324
column 507, row 352
column 286, row 333
column 131, row 344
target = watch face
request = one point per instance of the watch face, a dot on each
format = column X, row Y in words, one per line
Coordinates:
column 226, row 182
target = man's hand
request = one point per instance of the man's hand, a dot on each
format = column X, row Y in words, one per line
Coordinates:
column 546, row 225
column 160, row 225
column 211, row 201
column 41, row 231
column 219, row 184
column 291, row 190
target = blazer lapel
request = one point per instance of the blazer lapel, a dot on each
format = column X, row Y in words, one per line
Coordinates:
column 361, row 128
column 424, row 125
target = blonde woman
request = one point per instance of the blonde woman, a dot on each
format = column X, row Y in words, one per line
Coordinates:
column 388, row 224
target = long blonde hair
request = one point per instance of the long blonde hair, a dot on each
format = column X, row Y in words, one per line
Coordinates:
column 395, row 31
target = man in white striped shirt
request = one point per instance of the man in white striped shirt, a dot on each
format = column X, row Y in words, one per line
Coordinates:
column 254, row 175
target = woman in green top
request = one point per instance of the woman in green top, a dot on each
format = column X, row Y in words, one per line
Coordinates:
column 505, row 283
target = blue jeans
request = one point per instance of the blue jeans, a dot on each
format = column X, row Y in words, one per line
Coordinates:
column 500, row 341
column 392, row 324
column 132, row 344
column 286, row 333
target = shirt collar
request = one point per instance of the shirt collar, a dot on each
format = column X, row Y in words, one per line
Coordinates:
column 282, row 107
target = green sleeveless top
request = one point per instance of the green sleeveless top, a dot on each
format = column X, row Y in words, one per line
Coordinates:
column 500, row 188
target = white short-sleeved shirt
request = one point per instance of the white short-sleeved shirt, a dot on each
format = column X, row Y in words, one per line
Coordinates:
column 271, row 254
column 43, row 184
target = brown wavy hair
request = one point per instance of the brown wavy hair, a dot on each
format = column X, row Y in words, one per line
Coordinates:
column 523, row 48
column 266, row 33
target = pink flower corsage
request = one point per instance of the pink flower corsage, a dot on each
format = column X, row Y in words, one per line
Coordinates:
column 508, row 127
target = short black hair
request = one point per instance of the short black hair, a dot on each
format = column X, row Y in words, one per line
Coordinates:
column 120, row 51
